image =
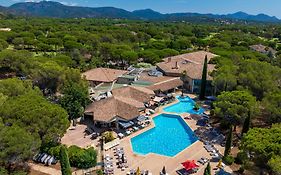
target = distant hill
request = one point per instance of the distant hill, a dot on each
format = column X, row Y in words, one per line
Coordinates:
column 58, row 10
column 259, row 17
column 148, row 14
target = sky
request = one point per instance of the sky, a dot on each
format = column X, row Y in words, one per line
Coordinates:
column 269, row 7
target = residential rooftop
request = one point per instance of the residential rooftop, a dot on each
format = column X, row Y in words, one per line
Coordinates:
column 125, row 103
column 166, row 85
column 137, row 93
column 103, row 74
column 192, row 63
column 107, row 110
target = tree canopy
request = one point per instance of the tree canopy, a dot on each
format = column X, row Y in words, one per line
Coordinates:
column 264, row 144
column 234, row 106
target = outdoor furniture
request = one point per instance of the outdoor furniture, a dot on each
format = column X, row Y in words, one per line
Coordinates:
column 135, row 128
column 190, row 166
column 120, row 135
column 182, row 172
column 128, row 132
column 209, row 148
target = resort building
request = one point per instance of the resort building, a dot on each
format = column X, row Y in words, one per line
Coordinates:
column 263, row 49
column 192, row 64
column 168, row 86
column 135, row 93
column 125, row 105
column 102, row 75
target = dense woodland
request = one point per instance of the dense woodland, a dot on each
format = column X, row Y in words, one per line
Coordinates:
column 41, row 88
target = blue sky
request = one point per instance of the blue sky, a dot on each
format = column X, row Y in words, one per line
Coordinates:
column 270, row 7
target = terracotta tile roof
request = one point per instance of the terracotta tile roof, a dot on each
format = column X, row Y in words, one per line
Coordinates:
column 262, row 49
column 140, row 94
column 166, row 85
column 103, row 74
column 145, row 77
column 107, row 109
column 192, row 63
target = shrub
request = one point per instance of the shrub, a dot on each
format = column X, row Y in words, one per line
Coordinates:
column 212, row 112
column 228, row 159
column 82, row 158
column 241, row 158
column 64, row 161
column 54, row 151
column 3, row 171
column 207, row 170
column 19, row 173
column 99, row 172
column 196, row 107
column 241, row 169
column 108, row 136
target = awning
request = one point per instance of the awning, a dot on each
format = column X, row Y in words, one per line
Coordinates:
column 126, row 124
column 157, row 99
column 141, row 118
column 189, row 164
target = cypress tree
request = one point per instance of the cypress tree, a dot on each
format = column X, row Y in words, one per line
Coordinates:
column 228, row 142
column 207, row 170
column 64, row 161
column 204, row 79
column 247, row 123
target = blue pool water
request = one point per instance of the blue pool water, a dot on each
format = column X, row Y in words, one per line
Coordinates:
column 185, row 105
column 170, row 136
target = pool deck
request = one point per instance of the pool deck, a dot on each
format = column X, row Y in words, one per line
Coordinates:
column 154, row 162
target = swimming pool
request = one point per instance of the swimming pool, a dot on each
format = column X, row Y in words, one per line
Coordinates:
column 170, row 136
column 185, row 105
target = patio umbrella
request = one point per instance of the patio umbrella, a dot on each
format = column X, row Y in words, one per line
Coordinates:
column 138, row 171
column 164, row 170
column 189, row 164
column 122, row 158
column 219, row 164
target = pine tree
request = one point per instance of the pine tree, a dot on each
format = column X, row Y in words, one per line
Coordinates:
column 228, row 143
column 207, row 170
column 247, row 123
column 64, row 161
column 204, row 79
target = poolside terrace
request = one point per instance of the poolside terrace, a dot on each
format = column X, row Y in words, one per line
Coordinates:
column 154, row 162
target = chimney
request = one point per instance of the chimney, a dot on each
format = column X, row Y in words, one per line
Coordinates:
column 169, row 59
column 176, row 66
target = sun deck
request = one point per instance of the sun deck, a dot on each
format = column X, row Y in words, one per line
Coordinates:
column 154, row 162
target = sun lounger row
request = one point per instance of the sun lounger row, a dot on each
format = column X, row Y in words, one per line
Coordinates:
column 203, row 160
column 108, row 165
column 133, row 129
column 121, row 159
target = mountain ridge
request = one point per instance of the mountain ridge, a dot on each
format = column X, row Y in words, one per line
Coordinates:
column 58, row 10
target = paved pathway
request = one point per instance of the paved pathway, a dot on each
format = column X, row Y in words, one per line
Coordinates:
column 45, row 169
